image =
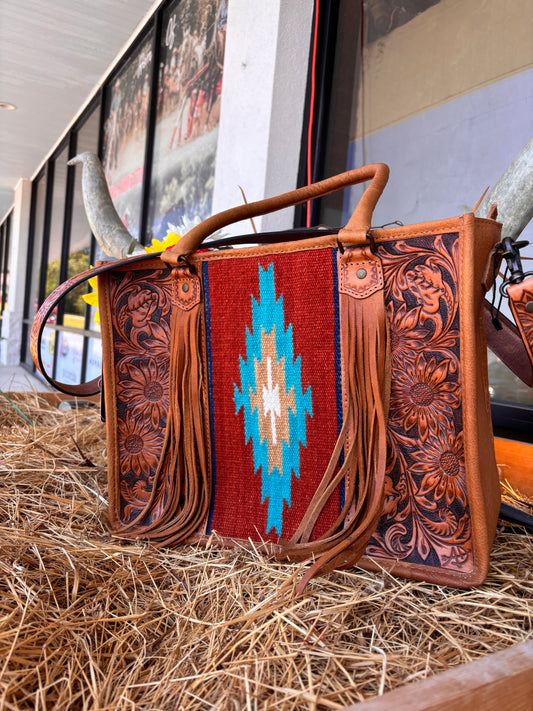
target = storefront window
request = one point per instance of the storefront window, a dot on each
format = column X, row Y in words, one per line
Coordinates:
column 94, row 358
column 442, row 92
column 80, row 232
column 125, row 127
column 5, row 244
column 71, row 345
column 61, row 244
column 69, row 357
column 87, row 141
column 34, row 260
column 56, row 222
column 55, row 244
column 188, row 109
column 174, row 126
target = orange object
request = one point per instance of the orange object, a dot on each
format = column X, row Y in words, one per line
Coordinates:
column 515, row 464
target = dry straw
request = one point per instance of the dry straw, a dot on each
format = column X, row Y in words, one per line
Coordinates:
column 88, row 622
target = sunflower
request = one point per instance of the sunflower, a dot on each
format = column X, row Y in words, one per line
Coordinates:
column 140, row 446
column 160, row 245
column 441, row 462
column 423, row 395
column 145, row 389
column 173, row 235
column 92, row 297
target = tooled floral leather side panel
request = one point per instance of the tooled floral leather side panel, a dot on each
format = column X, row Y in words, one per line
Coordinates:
column 140, row 303
column 426, row 517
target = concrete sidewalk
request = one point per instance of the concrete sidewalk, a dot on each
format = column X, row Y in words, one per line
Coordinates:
column 15, row 378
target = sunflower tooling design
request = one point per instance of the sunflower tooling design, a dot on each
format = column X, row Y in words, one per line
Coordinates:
column 273, row 400
column 141, row 339
column 426, row 519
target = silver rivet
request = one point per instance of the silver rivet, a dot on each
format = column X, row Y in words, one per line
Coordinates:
column 360, row 273
column 185, row 288
column 529, row 307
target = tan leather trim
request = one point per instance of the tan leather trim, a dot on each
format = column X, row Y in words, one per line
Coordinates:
column 491, row 266
column 110, row 400
column 153, row 263
column 186, row 290
column 422, row 229
column 323, row 242
column 476, row 242
column 425, row 573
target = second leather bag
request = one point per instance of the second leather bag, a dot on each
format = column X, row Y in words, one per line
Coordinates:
column 324, row 397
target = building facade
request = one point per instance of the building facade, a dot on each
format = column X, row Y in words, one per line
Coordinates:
column 215, row 96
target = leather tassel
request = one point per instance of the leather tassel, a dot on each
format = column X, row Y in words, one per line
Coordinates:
column 366, row 358
column 182, row 473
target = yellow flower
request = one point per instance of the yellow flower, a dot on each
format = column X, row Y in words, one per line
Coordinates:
column 160, row 246
column 92, row 297
column 156, row 246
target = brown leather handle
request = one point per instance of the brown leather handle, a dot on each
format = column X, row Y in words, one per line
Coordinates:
column 359, row 223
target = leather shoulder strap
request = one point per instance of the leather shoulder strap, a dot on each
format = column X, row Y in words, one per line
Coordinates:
column 510, row 346
column 50, row 303
column 514, row 344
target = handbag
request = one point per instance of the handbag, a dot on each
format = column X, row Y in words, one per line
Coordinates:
column 319, row 395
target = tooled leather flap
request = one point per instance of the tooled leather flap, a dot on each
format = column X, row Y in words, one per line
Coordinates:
column 361, row 273
column 186, row 290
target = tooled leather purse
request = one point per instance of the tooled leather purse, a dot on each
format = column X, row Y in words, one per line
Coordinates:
column 324, row 396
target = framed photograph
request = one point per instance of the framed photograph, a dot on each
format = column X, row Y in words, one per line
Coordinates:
column 125, row 131
column 188, row 110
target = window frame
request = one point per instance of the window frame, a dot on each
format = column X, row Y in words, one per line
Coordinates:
column 509, row 419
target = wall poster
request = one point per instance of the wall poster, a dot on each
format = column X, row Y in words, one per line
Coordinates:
column 125, row 127
column 188, row 109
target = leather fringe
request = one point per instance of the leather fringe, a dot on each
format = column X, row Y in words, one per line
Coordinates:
column 182, row 474
column 366, row 359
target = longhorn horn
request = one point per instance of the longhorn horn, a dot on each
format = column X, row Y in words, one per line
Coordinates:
column 513, row 194
column 104, row 221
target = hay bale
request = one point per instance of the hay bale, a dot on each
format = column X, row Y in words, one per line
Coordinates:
column 89, row 622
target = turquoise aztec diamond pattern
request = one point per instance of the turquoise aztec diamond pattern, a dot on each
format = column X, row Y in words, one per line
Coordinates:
column 273, row 400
